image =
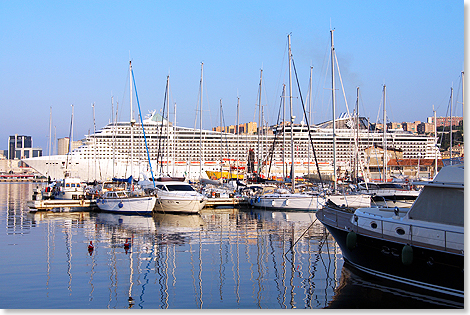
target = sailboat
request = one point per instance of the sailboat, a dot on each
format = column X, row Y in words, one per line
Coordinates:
column 352, row 200
column 280, row 198
column 121, row 195
column 384, row 193
column 68, row 187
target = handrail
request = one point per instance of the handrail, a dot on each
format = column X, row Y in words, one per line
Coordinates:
column 333, row 220
column 410, row 235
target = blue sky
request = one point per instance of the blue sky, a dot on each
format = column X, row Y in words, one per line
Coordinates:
column 58, row 53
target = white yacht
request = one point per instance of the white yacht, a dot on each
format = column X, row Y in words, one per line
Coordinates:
column 68, row 188
column 391, row 194
column 176, row 196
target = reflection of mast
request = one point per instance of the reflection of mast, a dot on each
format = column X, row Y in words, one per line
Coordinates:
column 197, row 291
column 147, row 269
column 93, row 264
column 221, row 273
column 284, row 269
column 200, row 270
column 49, row 238
column 131, row 282
column 238, row 270
column 165, row 272
column 292, row 271
column 112, row 277
column 68, row 246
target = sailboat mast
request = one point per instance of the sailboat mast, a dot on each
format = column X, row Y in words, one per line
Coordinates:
column 50, row 129
column 114, row 131
column 259, row 122
column 132, row 119
column 309, row 118
column 291, row 119
column 385, row 135
column 238, row 133
column 221, row 139
column 450, row 136
column 71, row 132
column 436, row 150
column 94, row 137
column 356, row 175
column 284, row 170
column 333, row 101
column 200, row 125
column 174, row 140
column 463, row 100
column 168, row 125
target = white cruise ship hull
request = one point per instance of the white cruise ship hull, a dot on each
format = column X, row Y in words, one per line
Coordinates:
column 188, row 152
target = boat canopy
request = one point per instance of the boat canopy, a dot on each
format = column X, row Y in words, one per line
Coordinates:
column 439, row 205
column 123, row 180
column 442, row 200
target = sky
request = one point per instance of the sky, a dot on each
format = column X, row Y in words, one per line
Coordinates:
column 57, row 53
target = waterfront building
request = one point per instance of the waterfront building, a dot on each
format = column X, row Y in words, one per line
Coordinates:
column 21, row 147
column 414, row 168
column 63, row 145
column 395, row 126
column 243, row 129
column 445, row 121
column 425, row 128
column 411, row 126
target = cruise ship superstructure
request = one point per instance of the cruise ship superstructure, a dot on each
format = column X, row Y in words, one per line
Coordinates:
column 189, row 152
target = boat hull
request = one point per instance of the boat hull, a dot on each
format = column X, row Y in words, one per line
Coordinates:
column 288, row 202
column 351, row 201
column 434, row 270
column 131, row 205
column 180, row 205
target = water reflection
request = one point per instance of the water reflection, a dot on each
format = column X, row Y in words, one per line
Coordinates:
column 223, row 258
column 383, row 294
column 244, row 258
column 13, row 198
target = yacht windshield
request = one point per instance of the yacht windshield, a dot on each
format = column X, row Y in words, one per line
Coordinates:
column 180, row 187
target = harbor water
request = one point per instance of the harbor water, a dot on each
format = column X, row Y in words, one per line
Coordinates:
column 219, row 259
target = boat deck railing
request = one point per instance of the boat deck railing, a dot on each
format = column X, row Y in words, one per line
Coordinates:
column 395, row 230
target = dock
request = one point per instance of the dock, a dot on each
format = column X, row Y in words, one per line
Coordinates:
column 215, row 202
column 37, row 205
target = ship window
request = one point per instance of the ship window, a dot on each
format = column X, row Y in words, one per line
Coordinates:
column 400, row 231
column 67, row 185
column 373, row 225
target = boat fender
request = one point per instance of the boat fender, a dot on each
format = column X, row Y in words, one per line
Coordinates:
column 120, row 204
column 259, row 199
column 407, row 255
column 351, row 240
column 251, row 201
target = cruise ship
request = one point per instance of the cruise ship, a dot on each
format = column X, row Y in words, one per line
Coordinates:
column 115, row 151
